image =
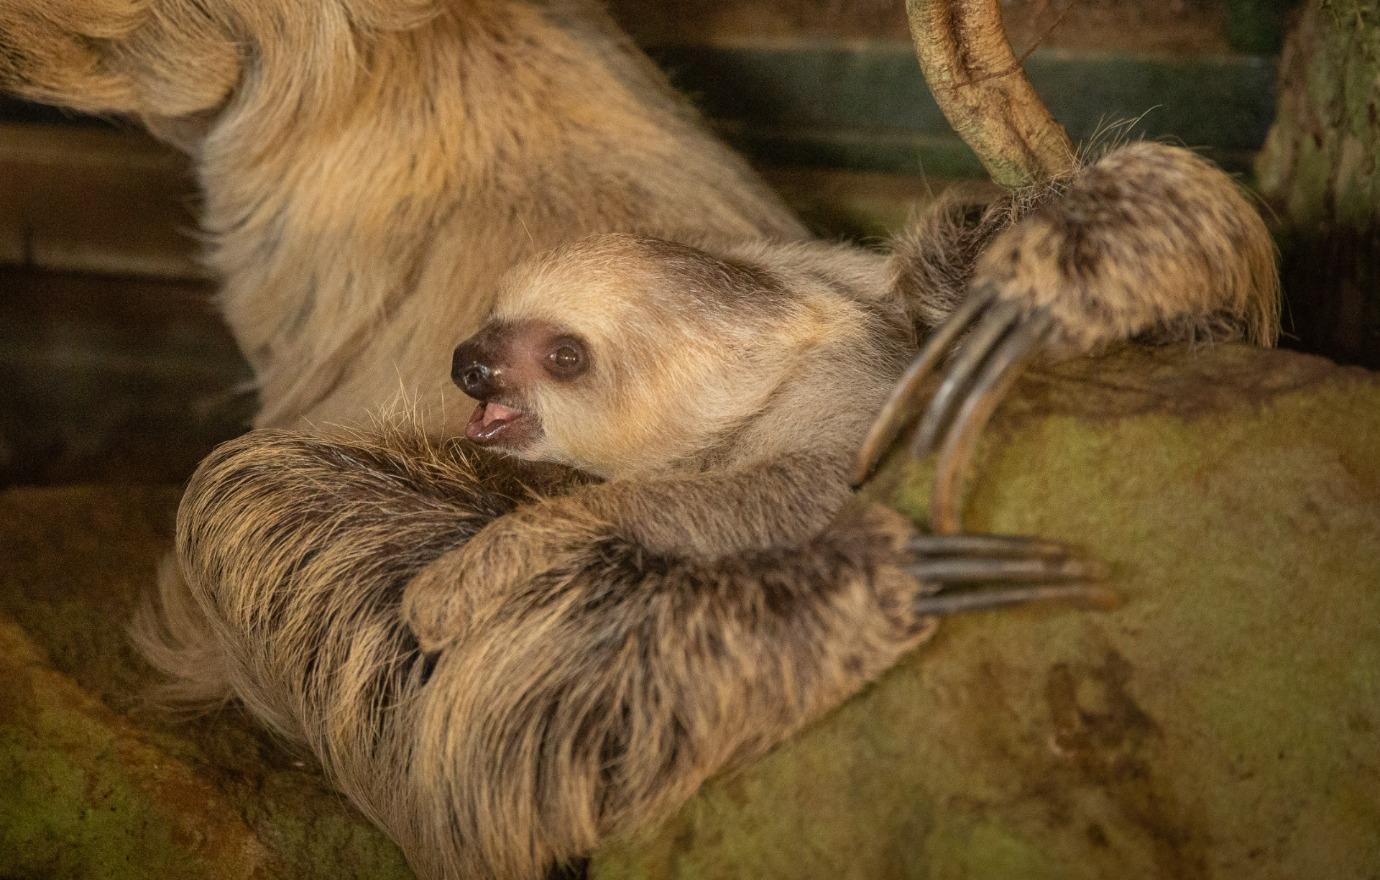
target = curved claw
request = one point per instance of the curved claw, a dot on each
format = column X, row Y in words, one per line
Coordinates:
column 1023, row 571
column 999, row 371
column 894, row 412
column 943, row 604
column 968, row 363
column 986, row 366
column 986, row 545
column 1020, row 571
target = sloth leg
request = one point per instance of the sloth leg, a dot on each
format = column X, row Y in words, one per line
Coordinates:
column 1151, row 242
column 585, row 699
column 119, row 56
column 605, row 691
column 54, row 51
column 777, row 504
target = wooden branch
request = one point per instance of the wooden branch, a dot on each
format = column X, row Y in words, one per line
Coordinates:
column 980, row 85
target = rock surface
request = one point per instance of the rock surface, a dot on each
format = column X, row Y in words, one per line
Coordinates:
column 96, row 784
column 1222, row 723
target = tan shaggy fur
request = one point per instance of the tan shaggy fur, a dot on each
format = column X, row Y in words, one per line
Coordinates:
column 373, row 169
column 590, row 696
column 728, row 385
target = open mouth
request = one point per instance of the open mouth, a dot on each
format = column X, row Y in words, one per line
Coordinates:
column 494, row 424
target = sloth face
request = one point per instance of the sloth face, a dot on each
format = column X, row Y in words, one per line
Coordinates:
column 619, row 355
column 501, row 365
column 613, row 398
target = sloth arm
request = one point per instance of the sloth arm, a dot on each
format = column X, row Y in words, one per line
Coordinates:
column 121, row 56
column 588, row 697
column 1151, row 242
column 598, row 694
column 774, row 503
column 602, row 693
column 133, row 57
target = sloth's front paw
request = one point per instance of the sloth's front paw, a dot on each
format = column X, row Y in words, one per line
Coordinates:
column 955, row 574
column 460, row 588
column 435, row 604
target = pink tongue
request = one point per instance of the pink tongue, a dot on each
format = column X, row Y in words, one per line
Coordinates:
column 497, row 412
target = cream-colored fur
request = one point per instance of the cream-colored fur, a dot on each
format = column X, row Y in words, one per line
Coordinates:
column 700, row 353
column 371, row 167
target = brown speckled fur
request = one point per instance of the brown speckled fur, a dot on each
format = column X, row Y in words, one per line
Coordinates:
column 589, row 697
column 1149, row 242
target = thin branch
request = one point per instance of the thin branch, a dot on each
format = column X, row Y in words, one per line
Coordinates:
column 982, row 89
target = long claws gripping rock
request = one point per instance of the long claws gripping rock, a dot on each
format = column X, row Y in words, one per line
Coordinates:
column 1001, row 366
column 1004, row 336
column 968, row 360
column 898, row 406
column 1013, row 570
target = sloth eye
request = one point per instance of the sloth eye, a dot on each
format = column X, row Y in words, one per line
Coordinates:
column 566, row 358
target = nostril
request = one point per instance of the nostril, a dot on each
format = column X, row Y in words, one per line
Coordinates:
column 475, row 377
column 471, row 373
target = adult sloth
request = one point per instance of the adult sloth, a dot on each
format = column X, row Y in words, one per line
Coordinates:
column 371, row 167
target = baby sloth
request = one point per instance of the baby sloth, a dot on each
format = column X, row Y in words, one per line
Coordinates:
column 632, row 357
column 731, row 386
column 723, row 390
column 721, row 393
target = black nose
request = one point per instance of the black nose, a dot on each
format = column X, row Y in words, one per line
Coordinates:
column 469, row 370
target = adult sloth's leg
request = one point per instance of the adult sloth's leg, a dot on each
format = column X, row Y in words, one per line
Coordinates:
column 589, row 698
column 1149, row 242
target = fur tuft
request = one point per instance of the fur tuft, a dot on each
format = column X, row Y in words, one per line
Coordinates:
column 174, row 635
column 586, row 697
column 1148, row 242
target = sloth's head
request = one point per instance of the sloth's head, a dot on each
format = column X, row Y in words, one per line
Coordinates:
column 624, row 355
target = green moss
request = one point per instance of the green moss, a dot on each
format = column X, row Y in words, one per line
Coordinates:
column 1221, row 723
column 93, row 783
column 84, row 797
column 1256, row 25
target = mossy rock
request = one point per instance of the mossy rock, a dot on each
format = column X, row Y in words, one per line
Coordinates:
column 93, row 782
column 1221, row 723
